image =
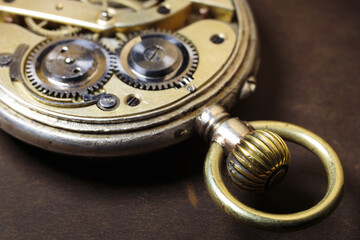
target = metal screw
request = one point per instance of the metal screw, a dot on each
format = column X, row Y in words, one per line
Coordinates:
column 132, row 101
column 163, row 9
column 59, row 6
column 154, row 54
column 5, row 59
column 217, row 38
column 108, row 102
column 105, row 15
column 64, row 49
column 191, row 88
column 77, row 70
column 69, row 60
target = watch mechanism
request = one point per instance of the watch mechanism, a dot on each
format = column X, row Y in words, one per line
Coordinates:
column 74, row 73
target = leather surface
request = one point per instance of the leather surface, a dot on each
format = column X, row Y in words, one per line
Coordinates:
column 309, row 76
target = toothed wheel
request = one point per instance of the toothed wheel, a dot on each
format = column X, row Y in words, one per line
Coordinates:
column 69, row 67
column 40, row 28
column 155, row 60
column 135, row 5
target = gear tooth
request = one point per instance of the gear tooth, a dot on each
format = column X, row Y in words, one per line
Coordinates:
column 172, row 84
column 130, row 81
column 62, row 31
column 121, row 77
column 185, row 80
column 142, row 86
column 37, row 86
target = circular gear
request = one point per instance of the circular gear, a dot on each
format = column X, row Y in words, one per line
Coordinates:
column 156, row 60
column 40, row 28
column 69, row 67
column 135, row 5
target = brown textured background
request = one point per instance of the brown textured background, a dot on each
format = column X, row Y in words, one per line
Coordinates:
column 309, row 76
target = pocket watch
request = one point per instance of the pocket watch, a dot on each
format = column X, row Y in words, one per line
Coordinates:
column 123, row 77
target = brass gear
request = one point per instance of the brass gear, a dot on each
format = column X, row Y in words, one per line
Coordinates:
column 39, row 28
column 135, row 5
column 69, row 67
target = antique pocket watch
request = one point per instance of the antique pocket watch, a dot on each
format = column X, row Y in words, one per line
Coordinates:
column 123, row 77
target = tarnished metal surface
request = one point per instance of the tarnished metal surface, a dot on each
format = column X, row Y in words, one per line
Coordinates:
column 77, row 125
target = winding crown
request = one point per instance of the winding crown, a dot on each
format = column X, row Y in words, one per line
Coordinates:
column 259, row 161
